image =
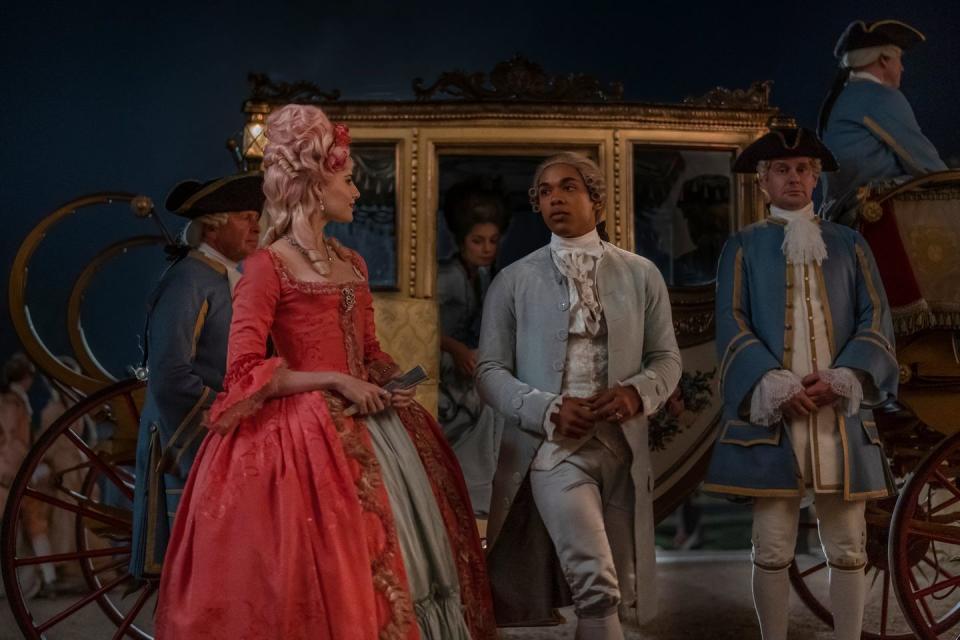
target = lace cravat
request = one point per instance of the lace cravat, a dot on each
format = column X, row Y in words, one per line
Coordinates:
column 580, row 268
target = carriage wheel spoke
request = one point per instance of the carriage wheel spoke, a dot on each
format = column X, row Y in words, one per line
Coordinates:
column 933, row 531
column 121, row 563
column 96, row 461
column 936, row 566
column 80, row 604
column 134, row 611
column 937, row 586
column 813, row 569
column 947, row 483
column 943, row 505
column 923, row 603
column 82, row 510
column 885, row 604
column 74, row 555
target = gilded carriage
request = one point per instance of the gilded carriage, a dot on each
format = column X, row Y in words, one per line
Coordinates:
column 672, row 197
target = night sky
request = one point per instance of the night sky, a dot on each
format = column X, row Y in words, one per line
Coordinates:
column 136, row 96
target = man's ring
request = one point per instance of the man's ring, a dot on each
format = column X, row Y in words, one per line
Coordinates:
column 618, row 416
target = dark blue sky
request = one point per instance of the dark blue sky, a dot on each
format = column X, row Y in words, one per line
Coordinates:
column 136, row 96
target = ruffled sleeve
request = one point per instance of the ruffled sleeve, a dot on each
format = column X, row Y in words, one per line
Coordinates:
column 380, row 366
column 251, row 376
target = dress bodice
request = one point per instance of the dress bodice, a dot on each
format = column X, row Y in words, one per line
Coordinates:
column 320, row 326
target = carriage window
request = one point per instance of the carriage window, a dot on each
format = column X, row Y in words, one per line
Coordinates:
column 503, row 178
column 683, row 210
column 373, row 232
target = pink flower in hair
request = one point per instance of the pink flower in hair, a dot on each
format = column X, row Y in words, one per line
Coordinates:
column 341, row 135
column 340, row 149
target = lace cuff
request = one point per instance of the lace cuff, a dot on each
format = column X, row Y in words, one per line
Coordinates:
column 552, row 408
column 247, row 387
column 775, row 388
column 844, row 383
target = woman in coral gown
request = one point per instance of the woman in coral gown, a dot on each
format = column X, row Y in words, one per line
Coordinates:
column 298, row 520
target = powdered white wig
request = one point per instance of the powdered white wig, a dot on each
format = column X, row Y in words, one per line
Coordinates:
column 858, row 58
column 192, row 234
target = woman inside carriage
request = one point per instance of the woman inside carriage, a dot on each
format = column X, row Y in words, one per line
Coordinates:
column 476, row 216
column 300, row 520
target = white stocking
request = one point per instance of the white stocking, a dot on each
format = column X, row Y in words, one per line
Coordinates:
column 771, row 597
column 41, row 546
column 847, row 591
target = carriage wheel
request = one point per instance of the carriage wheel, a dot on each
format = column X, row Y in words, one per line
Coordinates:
column 95, row 495
column 809, row 574
column 925, row 543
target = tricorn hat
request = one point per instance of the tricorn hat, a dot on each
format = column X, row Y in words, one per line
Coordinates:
column 861, row 35
column 784, row 143
column 241, row 192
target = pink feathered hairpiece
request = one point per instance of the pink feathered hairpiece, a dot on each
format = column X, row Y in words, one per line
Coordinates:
column 336, row 159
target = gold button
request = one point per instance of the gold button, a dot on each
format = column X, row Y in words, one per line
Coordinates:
column 788, row 327
column 808, row 298
column 809, row 317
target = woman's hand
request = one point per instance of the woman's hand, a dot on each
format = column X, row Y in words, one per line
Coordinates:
column 402, row 397
column 464, row 358
column 369, row 398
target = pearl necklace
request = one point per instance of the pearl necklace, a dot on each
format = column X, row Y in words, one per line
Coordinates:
column 304, row 252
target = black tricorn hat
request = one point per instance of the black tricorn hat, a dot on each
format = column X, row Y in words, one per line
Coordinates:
column 784, row 143
column 241, row 192
column 860, row 35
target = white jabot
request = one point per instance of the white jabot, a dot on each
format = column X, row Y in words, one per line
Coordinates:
column 577, row 259
column 802, row 240
column 233, row 274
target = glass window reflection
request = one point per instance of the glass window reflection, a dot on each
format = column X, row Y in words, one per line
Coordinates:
column 373, row 232
column 683, row 210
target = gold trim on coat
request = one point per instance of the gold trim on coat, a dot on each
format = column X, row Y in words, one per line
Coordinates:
column 198, row 327
column 788, row 317
column 149, row 565
column 213, row 264
column 884, row 135
column 737, row 291
column 827, row 313
column 871, row 288
column 164, row 463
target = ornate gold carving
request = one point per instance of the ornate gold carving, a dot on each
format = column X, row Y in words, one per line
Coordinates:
column 604, row 115
column 756, row 97
column 617, row 197
column 414, row 160
column 871, row 211
column 265, row 90
column 693, row 314
column 518, row 79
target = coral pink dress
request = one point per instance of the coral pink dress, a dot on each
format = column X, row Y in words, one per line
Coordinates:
column 300, row 522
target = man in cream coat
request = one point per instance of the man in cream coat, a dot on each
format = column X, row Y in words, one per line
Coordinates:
column 577, row 348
